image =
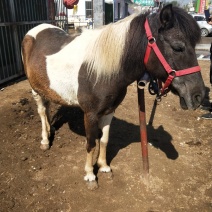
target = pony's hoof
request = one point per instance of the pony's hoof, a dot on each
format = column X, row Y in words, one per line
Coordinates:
column 106, row 175
column 44, row 147
column 92, row 185
column 109, row 175
column 105, row 169
column 107, row 172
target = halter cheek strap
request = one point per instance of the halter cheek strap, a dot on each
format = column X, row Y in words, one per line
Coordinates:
column 171, row 73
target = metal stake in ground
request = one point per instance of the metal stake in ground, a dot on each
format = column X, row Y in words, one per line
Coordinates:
column 143, row 131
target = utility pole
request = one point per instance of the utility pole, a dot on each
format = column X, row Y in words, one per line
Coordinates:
column 98, row 13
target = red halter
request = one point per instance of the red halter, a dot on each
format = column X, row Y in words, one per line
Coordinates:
column 171, row 73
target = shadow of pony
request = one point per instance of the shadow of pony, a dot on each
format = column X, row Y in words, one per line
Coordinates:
column 122, row 133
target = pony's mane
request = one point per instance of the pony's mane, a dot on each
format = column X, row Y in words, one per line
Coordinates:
column 187, row 25
column 105, row 50
column 107, row 45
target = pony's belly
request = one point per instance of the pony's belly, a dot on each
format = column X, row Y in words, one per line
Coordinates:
column 67, row 90
column 67, row 94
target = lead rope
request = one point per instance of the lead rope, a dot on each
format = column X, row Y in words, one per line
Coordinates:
column 154, row 88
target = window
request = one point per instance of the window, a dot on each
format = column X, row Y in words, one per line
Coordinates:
column 119, row 16
column 126, row 10
column 199, row 18
column 88, row 9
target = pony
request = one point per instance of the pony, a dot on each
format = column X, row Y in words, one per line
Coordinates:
column 93, row 70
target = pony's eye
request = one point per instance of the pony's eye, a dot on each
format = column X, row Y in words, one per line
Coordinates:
column 178, row 49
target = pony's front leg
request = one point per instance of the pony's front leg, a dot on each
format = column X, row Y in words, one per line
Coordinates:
column 104, row 125
column 91, row 129
column 43, row 107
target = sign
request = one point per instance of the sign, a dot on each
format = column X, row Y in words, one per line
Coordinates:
column 200, row 6
column 144, row 2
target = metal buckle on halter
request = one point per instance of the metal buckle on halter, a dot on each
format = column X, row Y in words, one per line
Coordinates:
column 171, row 76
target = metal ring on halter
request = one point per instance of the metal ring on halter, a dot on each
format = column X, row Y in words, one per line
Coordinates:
column 158, row 98
column 173, row 73
column 151, row 40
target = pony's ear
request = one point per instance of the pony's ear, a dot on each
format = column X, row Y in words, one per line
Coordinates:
column 167, row 17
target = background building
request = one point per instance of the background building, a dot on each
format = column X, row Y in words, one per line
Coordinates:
column 109, row 11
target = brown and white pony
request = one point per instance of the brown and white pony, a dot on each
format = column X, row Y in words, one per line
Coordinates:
column 93, row 70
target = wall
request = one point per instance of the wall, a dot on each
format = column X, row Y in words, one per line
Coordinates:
column 98, row 13
column 122, row 10
column 80, row 10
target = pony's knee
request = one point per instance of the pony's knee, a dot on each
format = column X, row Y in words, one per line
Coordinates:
column 90, row 146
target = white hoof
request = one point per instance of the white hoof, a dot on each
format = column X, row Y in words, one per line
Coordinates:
column 44, row 145
column 90, row 177
column 105, row 169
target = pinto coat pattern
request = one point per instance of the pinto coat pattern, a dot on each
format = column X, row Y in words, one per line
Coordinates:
column 93, row 70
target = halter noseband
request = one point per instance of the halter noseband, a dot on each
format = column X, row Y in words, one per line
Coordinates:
column 171, row 73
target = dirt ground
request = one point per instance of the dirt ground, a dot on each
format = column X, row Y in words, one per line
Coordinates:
column 179, row 155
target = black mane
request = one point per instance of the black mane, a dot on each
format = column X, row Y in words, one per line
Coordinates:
column 187, row 24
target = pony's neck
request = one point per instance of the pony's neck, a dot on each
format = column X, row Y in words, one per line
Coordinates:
column 106, row 47
column 134, row 50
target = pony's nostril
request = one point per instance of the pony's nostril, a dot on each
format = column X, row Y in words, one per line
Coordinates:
column 198, row 98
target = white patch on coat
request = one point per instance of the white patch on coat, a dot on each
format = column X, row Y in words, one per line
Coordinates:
column 63, row 68
column 102, row 49
column 34, row 31
column 104, row 125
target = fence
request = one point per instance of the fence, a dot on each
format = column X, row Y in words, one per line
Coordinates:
column 16, row 18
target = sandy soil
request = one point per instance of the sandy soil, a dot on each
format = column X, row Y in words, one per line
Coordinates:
column 179, row 155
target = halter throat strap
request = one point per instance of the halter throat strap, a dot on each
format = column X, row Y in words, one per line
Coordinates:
column 171, row 73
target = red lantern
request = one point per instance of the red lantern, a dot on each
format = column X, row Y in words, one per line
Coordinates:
column 69, row 4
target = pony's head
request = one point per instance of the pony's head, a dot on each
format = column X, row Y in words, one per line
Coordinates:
column 176, row 34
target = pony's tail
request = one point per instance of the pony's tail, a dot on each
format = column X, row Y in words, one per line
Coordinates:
column 26, row 50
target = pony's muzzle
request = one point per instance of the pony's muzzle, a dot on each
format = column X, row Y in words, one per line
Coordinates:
column 198, row 99
column 194, row 102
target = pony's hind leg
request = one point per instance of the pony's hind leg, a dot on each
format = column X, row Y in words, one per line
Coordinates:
column 43, row 110
column 104, row 125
